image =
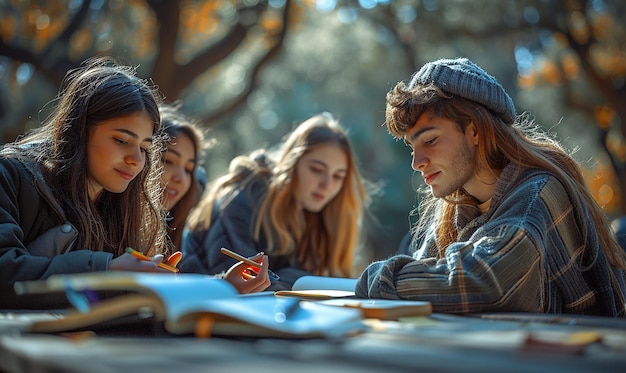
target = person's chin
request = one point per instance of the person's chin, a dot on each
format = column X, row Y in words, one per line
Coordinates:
column 171, row 203
column 117, row 188
column 314, row 208
column 436, row 192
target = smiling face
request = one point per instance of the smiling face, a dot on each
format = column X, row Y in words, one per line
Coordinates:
column 116, row 152
column 445, row 156
column 178, row 168
column 320, row 174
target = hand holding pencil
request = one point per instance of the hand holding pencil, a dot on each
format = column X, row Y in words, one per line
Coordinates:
column 160, row 264
column 273, row 276
column 136, row 261
column 246, row 279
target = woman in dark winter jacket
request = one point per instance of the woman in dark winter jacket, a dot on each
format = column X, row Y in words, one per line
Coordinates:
column 303, row 206
column 77, row 191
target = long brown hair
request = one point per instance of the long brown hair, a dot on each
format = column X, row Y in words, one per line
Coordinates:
column 174, row 124
column 323, row 243
column 101, row 89
column 523, row 144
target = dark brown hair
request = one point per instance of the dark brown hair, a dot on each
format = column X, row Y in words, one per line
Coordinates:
column 174, row 124
column 101, row 89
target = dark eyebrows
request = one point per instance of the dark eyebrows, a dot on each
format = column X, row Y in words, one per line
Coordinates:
column 133, row 134
column 177, row 153
column 417, row 134
column 318, row 162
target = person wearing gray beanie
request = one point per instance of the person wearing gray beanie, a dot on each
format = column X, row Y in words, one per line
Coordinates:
column 464, row 78
column 506, row 220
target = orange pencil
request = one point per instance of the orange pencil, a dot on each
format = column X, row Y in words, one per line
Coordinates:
column 234, row 255
column 139, row 255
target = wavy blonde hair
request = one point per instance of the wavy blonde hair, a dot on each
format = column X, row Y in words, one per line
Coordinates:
column 323, row 243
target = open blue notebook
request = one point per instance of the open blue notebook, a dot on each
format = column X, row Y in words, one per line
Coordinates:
column 188, row 304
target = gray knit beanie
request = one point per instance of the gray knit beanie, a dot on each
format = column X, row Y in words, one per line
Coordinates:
column 464, row 78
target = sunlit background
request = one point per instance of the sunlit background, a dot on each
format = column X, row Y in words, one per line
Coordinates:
column 251, row 70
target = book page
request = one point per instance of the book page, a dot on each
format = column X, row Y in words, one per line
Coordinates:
column 189, row 284
column 324, row 283
column 157, row 294
column 118, row 307
column 262, row 316
column 320, row 288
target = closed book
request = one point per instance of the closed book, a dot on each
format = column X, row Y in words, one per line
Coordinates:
column 320, row 288
column 384, row 309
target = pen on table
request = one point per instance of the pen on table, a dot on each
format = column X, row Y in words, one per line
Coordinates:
column 141, row 256
column 273, row 276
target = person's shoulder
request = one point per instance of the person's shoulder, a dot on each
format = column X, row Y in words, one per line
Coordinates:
column 258, row 185
column 516, row 177
column 18, row 177
column 8, row 162
column 254, row 190
column 12, row 165
column 524, row 184
column 544, row 177
column 546, row 186
column 517, row 172
column 240, row 198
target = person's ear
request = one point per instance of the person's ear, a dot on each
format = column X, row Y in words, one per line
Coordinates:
column 472, row 132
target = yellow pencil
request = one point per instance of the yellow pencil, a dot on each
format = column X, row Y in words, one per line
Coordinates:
column 141, row 256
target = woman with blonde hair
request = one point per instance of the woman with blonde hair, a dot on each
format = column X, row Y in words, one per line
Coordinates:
column 303, row 208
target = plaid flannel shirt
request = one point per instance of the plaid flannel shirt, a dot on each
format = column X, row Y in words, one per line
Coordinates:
column 526, row 254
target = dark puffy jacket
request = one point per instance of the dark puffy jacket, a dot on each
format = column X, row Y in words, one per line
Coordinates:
column 36, row 240
column 232, row 227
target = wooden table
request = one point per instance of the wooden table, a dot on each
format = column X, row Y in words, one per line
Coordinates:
column 439, row 343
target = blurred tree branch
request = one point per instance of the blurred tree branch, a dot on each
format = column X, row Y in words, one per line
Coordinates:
column 172, row 77
column 54, row 60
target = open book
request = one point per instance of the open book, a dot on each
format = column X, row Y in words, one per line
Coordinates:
column 336, row 291
column 189, row 304
column 320, row 287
